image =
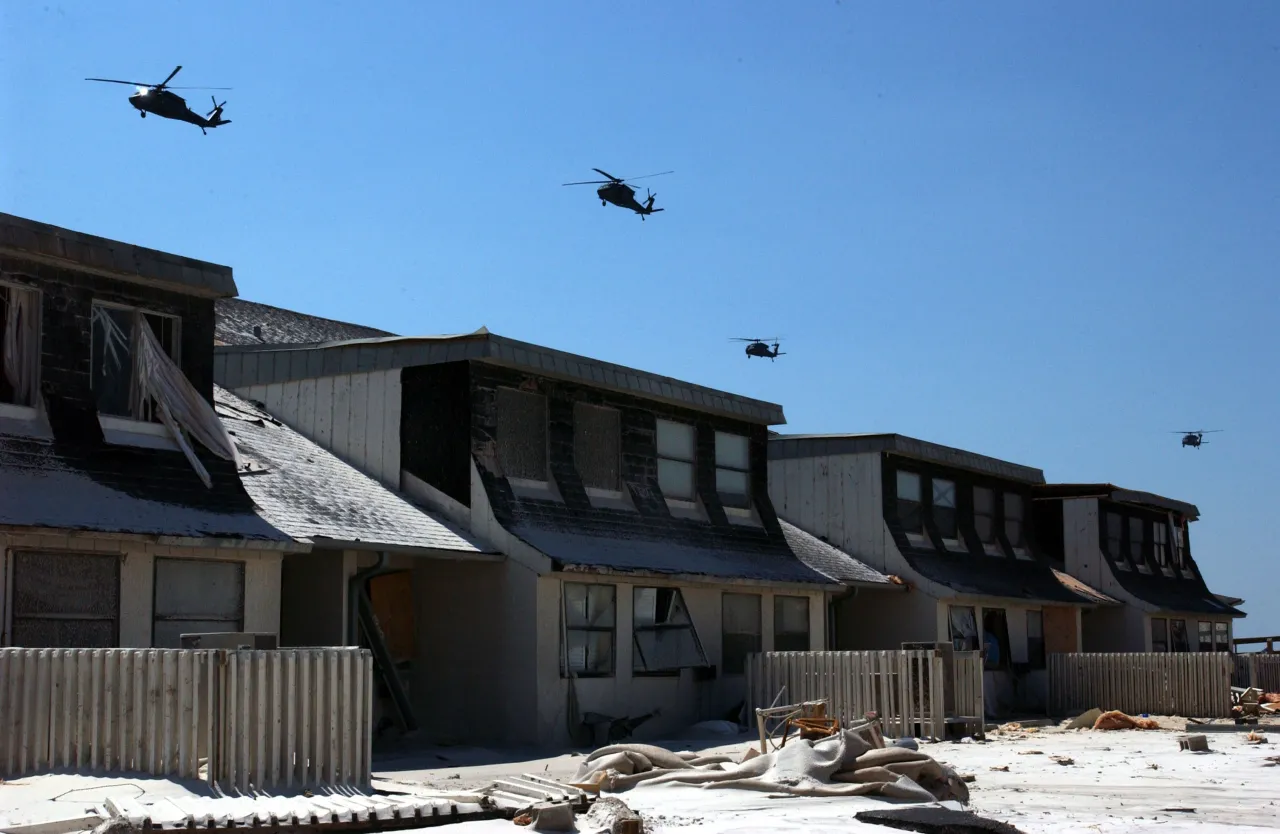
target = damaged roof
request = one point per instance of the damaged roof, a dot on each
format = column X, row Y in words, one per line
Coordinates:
column 1115, row 493
column 1088, row 592
column 831, row 561
column 241, row 322
column 787, row 446
column 239, row 366
column 1027, row 579
column 314, row 496
column 122, row 489
column 54, row 245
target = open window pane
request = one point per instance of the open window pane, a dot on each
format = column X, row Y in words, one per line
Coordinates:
column 740, row 631
column 944, row 507
column 663, row 634
column 522, row 434
column 1179, row 642
column 790, row 624
column 1159, row 634
column 964, row 628
column 111, row 360
column 1013, row 519
column 597, row 446
column 675, row 440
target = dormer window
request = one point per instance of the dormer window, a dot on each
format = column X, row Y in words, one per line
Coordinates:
column 19, row 348
column 1135, row 540
column 1013, row 519
column 1160, row 543
column 944, row 507
column 522, row 434
column 984, row 515
column 733, row 469
column 597, row 447
column 113, row 350
column 909, row 502
column 1115, row 530
column 675, row 460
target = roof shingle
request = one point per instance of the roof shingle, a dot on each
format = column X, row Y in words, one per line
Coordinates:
column 830, row 561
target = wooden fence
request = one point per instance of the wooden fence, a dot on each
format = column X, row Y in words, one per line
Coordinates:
column 1258, row 669
column 234, row 718
column 1193, row 684
column 906, row 689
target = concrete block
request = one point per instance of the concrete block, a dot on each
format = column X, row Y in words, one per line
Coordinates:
column 1196, row 744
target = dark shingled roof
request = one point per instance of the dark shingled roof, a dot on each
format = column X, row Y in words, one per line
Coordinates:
column 993, row 576
column 237, row 318
column 831, row 561
column 789, row 446
column 122, row 489
column 313, row 495
column 1175, row 593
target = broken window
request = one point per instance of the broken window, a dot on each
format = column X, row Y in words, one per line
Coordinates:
column 663, row 636
column 1159, row 634
column 1115, row 528
column 1221, row 637
column 909, row 502
column 1013, row 519
column 984, row 513
column 1206, row 636
column 19, row 345
column 995, row 639
column 590, row 618
column 597, row 446
column 790, row 624
column 1035, row 639
column 944, row 506
column 675, row 459
column 113, row 348
column 733, row 469
column 65, row 600
column 964, row 628
column 1160, row 542
column 196, row 596
column 1179, row 642
column 740, row 632
column 522, row 434
column 1135, row 540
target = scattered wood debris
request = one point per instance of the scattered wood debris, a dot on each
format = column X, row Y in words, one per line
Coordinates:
column 1030, row 752
column 1062, row 760
column 1117, row 720
column 1000, row 768
column 1256, row 738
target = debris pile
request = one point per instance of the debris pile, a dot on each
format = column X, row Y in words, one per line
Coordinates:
column 1117, row 720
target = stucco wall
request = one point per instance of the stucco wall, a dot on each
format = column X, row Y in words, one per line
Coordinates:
column 137, row 573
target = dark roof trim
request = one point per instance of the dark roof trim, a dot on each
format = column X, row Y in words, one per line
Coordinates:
column 787, row 446
column 696, row 578
column 238, row 366
column 1234, row 602
column 65, row 248
column 1115, row 493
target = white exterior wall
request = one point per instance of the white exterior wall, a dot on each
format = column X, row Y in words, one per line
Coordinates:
column 355, row 416
column 137, row 575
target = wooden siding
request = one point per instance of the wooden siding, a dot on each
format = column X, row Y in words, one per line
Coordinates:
column 1194, row 684
column 837, row 497
column 355, row 416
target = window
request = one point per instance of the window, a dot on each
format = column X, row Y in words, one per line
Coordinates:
column 194, row 596
column 995, row 639
column 19, row 348
column 1178, row 640
column 522, row 434
column 740, row 632
column 1159, row 634
column 1206, row 636
column 1180, row 544
column 1221, row 637
column 733, row 469
column 790, row 624
column 1160, row 542
column 964, row 628
column 944, row 507
column 65, row 600
column 111, row 354
column 1135, row 540
column 590, row 617
column 1035, row 639
column 984, row 512
column 909, row 502
column 1013, row 519
column 663, row 636
column 1115, row 529
column 675, row 459
column 597, row 446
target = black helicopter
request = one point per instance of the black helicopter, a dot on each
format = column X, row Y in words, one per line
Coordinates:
column 615, row 190
column 156, row 98
column 759, row 347
column 1194, row 438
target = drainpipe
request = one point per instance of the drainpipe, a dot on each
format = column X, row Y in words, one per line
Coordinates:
column 832, row 629
column 354, row 585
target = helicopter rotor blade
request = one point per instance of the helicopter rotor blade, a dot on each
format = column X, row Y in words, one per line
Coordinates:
column 116, row 81
column 171, row 75
column 588, row 182
column 199, row 88
column 611, row 177
column 645, row 177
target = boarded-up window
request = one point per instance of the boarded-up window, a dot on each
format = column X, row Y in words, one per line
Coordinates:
column 1013, row 519
column 590, row 616
column 194, row 596
column 984, row 513
column 111, row 357
column 19, row 346
column 522, row 434
column 65, row 600
column 790, row 624
column 1178, row 636
column 1159, row 634
column 663, row 636
column 597, row 446
column 964, row 628
column 675, row 459
column 391, row 595
column 740, row 631
column 909, row 502
column 944, row 506
column 1205, row 636
column 1035, row 639
column 1135, row 540
column 733, row 469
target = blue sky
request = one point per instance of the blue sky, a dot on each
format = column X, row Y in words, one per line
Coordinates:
column 1045, row 232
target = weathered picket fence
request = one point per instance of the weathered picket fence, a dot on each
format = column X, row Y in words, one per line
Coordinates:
column 1259, row 669
column 909, row 690
column 1196, row 684
column 234, row 718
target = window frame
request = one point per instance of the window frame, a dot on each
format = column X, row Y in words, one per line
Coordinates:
column 34, row 335
column 13, row 578
column 956, row 639
column 596, row 490
column 1159, row 646
column 522, row 479
column 950, row 533
column 182, row 560
column 1001, row 635
column 916, row 527
column 787, row 636
column 991, row 541
column 1115, row 543
column 1204, row 628
column 1160, row 543
column 1223, row 628
column 739, row 665
column 691, row 463
column 1174, row 627
column 733, row 499
column 1019, row 543
column 637, row 652
column 140, row 314
column 1036, row 655
column 1137, row 554
column 567, row 629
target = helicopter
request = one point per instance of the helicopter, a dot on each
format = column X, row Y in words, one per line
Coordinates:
column 759, row 347
column 615, row 190
column 1194, row 438
column 156, row 98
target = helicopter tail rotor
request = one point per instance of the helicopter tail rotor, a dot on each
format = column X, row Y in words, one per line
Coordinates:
column 215, row 115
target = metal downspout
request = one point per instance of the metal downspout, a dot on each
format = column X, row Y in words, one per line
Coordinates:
column 354, row 584
column 361, row 614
